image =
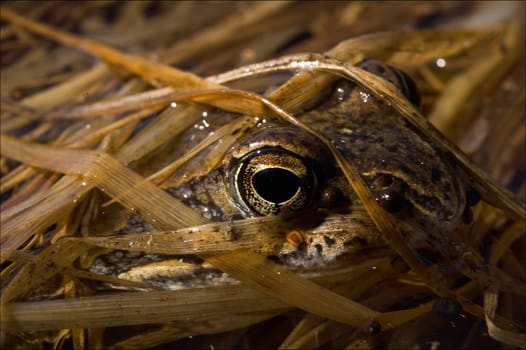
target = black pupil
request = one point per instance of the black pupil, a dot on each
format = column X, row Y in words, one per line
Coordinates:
column 275, row 185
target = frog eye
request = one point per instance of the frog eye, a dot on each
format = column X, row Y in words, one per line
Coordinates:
column 272, row 181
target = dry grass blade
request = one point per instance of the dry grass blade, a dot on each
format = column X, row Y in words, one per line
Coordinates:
column 45, row 266
column 100, row 133
column 149, row 99
column 151, row 71
column 122, row 308
column 102, row 170
column 257, row 271
column 411, row 47
column 154, row 72
column 211, row 238
column 58, row 94
column 38, row 213
column 227, row 29
column 491, row 302
column 400, row 47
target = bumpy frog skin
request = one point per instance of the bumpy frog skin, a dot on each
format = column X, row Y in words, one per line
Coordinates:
column 281, row 170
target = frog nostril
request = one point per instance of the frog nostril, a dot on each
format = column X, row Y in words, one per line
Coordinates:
column 391, row 201
column 330, row 196
column 383, row 181
column 389, row 192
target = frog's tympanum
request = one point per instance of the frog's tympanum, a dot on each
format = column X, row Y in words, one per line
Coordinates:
column 281, row 170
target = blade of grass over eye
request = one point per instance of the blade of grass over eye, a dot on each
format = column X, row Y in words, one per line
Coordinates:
column 225, row 134
column 100, row 169
column 153, row 135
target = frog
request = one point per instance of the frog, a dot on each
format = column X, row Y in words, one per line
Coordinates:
column 281, row 170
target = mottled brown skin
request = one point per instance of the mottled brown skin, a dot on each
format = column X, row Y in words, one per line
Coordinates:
column 411, row 179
